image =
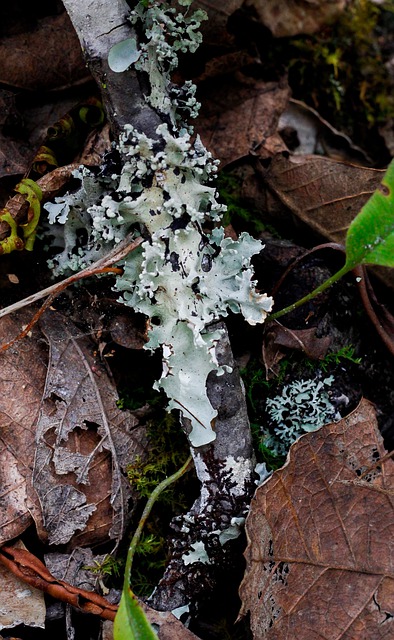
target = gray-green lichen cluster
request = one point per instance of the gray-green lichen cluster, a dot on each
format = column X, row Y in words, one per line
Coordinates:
column 186, row 274
column 303, row 406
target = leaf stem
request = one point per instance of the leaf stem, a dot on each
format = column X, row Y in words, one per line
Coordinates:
column 325, row 285
column 145, row 514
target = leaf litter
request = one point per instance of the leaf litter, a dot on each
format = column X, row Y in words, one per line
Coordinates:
column 83, row 445
column 78, row 451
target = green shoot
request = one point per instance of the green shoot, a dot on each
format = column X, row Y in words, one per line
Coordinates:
column 131, row 622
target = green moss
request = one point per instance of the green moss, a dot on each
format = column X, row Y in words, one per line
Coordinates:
column 168, row 450
column 331, row 360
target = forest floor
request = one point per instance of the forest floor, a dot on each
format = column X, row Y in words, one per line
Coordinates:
column 304, row 128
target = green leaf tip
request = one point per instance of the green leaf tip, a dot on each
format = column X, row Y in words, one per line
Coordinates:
column 131, row 622
column 370, row 238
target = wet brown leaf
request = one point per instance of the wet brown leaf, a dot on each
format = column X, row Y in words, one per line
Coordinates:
column 83, row 445
column 46, row 58
column 129, row 330
column 215, row 28
column 289, row 17
column 22, row 379
column 239, row 114
column 320, row 538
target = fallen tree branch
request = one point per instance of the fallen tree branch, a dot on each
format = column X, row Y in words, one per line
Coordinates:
column 224, row 467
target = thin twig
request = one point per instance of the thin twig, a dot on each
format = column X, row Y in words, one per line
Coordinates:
column 100, row 266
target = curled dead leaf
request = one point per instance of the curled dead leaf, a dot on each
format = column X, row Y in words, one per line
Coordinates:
column 320, row 538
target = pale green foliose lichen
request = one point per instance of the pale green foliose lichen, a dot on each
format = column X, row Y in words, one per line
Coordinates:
column 303, row 406
column 186, row 274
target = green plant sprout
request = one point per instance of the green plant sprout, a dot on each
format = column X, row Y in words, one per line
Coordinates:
column 131, row 622
column 369, row 240
column 334, row 359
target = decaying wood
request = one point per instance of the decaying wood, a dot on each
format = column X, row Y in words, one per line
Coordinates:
column 100, row 25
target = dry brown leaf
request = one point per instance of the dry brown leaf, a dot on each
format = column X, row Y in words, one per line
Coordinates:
column 239, row 114
column 289, row 17
column 83, row 445
column 323, row 193
column 14, row 156
column 74, row 567
column 170, row 628
column 308, row 133
column 320, row 539
column 22, row 378
column 48, row 57
column 278, row 338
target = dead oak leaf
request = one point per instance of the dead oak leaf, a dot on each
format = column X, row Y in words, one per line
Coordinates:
column 320, row 559
column 83, row 445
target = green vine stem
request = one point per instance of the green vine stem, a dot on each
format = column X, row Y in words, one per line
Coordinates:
column 145, row 515
column 325, row 285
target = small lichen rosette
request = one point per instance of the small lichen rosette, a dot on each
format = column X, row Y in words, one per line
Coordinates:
column 303, row 406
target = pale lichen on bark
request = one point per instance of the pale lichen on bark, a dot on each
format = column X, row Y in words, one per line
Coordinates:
column 185, row 277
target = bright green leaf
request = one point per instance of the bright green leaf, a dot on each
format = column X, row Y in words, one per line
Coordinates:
column 131, row 622
column 370, row 238
column 123, row 54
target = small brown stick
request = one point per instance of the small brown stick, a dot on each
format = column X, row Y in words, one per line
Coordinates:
column 31, row 570
column 101, row 266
